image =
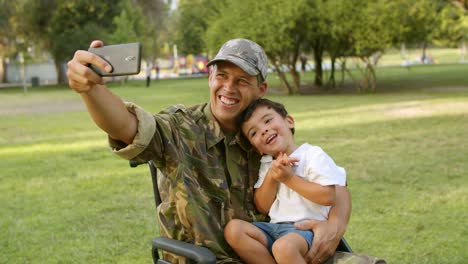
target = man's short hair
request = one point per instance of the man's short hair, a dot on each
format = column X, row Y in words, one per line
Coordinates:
column 214, row 67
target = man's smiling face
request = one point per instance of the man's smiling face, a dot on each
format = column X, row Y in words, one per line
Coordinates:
column 231, row 91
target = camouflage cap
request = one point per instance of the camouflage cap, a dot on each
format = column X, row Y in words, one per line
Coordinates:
column 246, row 54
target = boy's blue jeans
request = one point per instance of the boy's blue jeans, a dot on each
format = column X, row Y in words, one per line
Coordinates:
column 273, row 231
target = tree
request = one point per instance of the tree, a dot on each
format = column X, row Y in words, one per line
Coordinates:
column 421, row 20
column 136, row 23
column 374, row 32
column 349, row 28
column 342, row 29
column 191, row 23
column 7, row 39
column 129, row 24
column 155, row 32
column 462, row 3
column 330, row 30
column 317, row 22
column 275, row 26
column 451, row 31
column 61, row 27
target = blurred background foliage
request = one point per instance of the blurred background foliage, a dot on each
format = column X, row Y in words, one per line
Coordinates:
column 332, row 29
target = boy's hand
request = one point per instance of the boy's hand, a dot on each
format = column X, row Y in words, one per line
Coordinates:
column 281, row 168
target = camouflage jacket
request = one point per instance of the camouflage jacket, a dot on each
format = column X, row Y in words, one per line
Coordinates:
column 206, row 176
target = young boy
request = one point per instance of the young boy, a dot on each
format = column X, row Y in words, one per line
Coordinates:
column 294, row 184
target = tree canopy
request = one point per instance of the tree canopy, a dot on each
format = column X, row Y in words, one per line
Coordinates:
column 334, row 29
column 62, row 27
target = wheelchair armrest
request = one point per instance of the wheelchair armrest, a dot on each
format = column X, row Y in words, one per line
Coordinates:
column 190, row 251
column 344, row 246
column 134, row 163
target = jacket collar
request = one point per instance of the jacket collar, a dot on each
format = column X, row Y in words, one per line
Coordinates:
column 217, row 134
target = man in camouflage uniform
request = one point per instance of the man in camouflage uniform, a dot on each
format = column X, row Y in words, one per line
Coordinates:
column 207, row 169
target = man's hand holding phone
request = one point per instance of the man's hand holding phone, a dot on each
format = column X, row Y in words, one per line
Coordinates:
column 124, row 58
column 82, row 78
column 106, row 109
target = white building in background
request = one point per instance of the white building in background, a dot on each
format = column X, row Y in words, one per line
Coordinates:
column 44, row 71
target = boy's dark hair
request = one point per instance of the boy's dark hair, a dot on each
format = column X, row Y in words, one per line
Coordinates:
column 247, row 113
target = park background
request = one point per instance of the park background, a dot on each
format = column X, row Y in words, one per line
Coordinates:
column 385, row 93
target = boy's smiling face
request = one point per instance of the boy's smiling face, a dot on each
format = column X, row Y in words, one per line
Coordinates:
column 269, row 132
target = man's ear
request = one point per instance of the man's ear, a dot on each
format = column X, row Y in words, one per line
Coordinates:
column 263, row 87
column 210, row 73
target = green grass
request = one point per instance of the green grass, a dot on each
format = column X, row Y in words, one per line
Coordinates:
column 66, row 199
column 439, row 55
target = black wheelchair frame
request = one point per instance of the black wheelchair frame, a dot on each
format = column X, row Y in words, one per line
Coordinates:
column 190, row 251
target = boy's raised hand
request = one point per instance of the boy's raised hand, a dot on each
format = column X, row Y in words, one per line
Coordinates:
column 281, row 168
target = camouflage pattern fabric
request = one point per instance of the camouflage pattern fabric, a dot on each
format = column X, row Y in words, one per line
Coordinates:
column 246, row 54
column 352, row 258
column 206, row 178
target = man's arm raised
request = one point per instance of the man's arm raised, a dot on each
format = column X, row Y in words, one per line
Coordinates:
column 107, row 110
column 327, row 234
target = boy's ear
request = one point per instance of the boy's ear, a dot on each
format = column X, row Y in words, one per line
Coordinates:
column 256, row 150
column 290, row 121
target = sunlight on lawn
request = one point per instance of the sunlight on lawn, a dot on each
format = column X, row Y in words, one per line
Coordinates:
column 49, row 148
column 67, row 199
column 375, row 113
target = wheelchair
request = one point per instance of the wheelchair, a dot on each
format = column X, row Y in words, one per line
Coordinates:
column 196, row 254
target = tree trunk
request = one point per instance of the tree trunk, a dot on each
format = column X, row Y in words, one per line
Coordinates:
column 369, row 81
column 343, row 71
column 283, row 79
column 358, row 85
column 318, row 54
column 372, row 78
column 61, row 79
column 463, row 51
column 295, row 74
column 3, row 71
column 423, row 58
column 296, row 81
column 331, row 80
column 403, row 52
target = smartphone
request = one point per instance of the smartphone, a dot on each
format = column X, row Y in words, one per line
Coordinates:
column 125, row 58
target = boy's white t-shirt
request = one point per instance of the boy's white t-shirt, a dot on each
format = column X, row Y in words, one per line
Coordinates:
column 315, row 166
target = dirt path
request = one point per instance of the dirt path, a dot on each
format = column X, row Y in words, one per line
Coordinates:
column 42, row 107
column 76, row 105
